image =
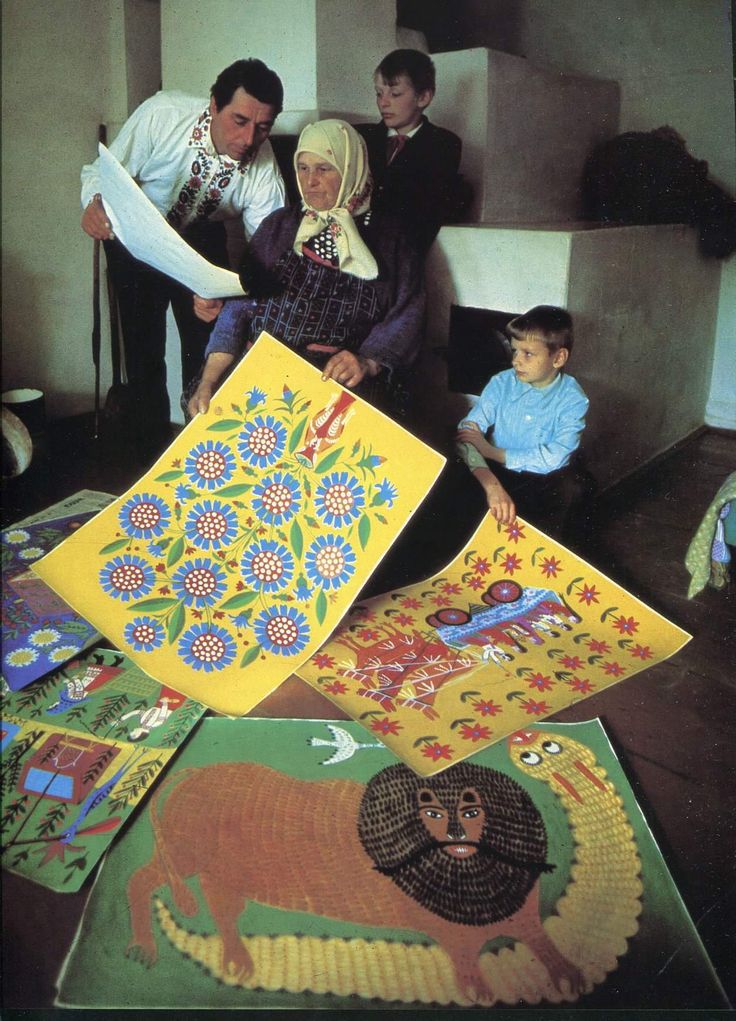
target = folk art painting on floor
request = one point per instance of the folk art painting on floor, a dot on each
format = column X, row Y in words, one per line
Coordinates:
column 517, row 627
column 81, row 750
column 236, row 555
column 40, row 631
column 267, row 872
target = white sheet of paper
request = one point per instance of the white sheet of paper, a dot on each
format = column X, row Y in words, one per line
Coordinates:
column 145, row 233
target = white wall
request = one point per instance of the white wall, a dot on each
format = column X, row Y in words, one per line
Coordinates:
column 200, row 38
column 57, row 87
column 673, row 59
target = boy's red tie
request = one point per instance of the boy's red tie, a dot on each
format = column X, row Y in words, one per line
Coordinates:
column 394, row 145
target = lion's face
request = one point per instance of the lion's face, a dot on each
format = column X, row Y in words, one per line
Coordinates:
column 467, row 845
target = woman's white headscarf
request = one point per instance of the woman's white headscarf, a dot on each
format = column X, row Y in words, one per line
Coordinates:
column 339, row 144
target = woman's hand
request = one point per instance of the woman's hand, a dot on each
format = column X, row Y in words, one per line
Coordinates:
column 348, row 368
column 214, row 368
column 207, row 309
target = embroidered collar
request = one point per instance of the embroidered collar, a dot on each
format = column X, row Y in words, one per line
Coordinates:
column 201, row 138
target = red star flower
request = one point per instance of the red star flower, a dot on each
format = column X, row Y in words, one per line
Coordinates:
column 600, row 647
column 511, row 563
column 540, row 682
column 613, row 669
column 572, row 662
column 481, row 566
column 551, row 567
column 641, row 652
column 451, row 588
column 476, row 583
column 475, row 733
column 323, row 661
column 386, row 726
column 588, row 595
column 581, row 684
column 336, row 688
column 515, row 531
column 404, row 619
column 535, row 708
column 368, row 634
column 626, row 625
column 487, row 708
column 437, row 751
column 410, row 603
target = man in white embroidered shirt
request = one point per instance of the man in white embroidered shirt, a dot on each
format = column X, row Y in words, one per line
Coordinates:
column 200, row 164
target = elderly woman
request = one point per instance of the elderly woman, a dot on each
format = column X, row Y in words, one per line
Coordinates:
column 340, row 285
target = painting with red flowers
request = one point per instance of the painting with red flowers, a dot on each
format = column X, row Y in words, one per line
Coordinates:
column 515, row 629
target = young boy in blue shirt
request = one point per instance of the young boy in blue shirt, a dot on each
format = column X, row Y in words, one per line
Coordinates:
column 520, row 439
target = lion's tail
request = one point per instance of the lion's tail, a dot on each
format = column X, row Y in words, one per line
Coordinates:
column 183, row 896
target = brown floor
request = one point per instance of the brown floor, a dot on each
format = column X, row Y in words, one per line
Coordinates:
column 673, row 726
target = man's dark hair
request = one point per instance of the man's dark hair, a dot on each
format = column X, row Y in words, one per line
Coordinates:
column 548, row 323
column 258, row 81
column 417, row 67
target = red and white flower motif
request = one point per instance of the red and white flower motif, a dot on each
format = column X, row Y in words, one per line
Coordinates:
column 210, row 464
column 208, row 647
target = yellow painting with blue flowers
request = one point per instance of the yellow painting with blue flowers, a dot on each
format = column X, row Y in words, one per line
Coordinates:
column 236, row 555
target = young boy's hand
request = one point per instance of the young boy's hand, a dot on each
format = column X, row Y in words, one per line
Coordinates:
column 470, row 433
column 500, row 503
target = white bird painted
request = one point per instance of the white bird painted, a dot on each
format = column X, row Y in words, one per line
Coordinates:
column 344, row 744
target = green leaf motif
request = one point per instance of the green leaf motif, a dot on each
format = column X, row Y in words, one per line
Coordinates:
column 364, row 530
column 237, row 602
column 327, row 462
column 113, row 546
column 153, row 605
column 250, row 655
column 224, row 425
column 176, row 623
column 297, row 539
column 236, row 490
column 176, row 551
column 297, row 435
column 73, row 627
column 320, row 606
column 169, row 476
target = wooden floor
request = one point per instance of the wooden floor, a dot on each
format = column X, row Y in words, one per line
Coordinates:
column 673, row 726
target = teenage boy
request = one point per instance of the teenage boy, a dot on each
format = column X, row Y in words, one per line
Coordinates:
column 520, row 438
column 414, row 163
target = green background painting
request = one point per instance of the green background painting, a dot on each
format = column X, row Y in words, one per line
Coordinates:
column 665, row 963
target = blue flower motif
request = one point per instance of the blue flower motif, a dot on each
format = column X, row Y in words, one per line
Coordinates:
column 282, row 629
column 207, row 647
column 144, row 516
column 329, row 561
column 303, row 592
column 267, row 566
column 277, row 498
column 262, row 441
column 255, row 397
column 339, row 499
column 127, row 577
column 211, row 524
column 144, row 633
column 184, row 493
column 201, row 582
column 209, row 465
column 386, row 492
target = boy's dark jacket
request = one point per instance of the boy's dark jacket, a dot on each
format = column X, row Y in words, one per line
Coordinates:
column 421, row 184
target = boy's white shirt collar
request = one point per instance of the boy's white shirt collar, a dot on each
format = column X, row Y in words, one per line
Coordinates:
column 409, row 134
